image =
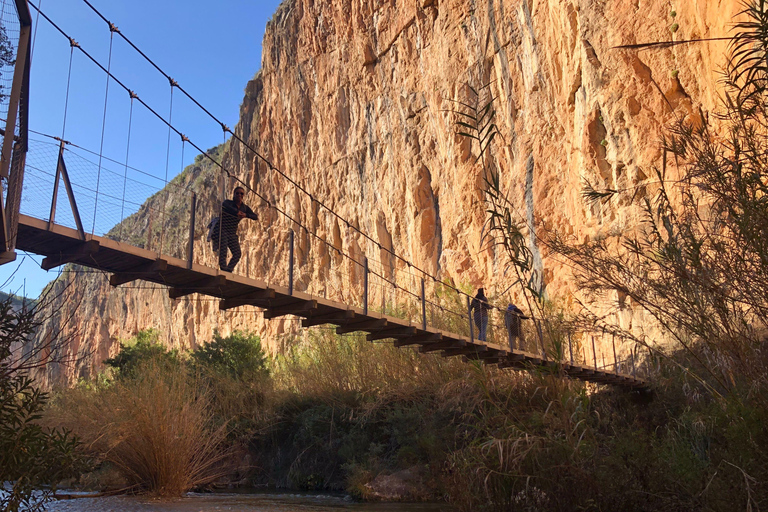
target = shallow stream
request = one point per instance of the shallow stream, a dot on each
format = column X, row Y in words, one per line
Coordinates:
column 262, row 502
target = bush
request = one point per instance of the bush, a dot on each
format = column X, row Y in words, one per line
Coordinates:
column 239, row 356
column 141, row 348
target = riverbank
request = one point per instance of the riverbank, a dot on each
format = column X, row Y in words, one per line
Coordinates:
column 379, row 423
column 236, row 502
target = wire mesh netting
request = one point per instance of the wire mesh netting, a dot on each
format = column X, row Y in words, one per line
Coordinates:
column 9, row 38
column 113, row 200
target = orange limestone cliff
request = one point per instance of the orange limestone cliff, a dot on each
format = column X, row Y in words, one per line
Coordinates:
column 353, row 103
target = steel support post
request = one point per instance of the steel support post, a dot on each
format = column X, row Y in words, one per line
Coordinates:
column 471, row 327
column 290, row 263
column 594, row 351
column 191, row 247
column 423, row 307
column 365, row 285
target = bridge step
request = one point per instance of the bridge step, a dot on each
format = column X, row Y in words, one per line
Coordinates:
column 70, row 254
column 138, row 272
column 300, row 307
column 364, row 325
column 393, row 332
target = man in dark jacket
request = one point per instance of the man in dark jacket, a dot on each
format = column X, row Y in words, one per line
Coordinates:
column 225, row 232
column 480, row 306
column 512, row 318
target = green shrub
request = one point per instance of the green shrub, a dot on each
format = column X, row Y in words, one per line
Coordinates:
column 144, row 346
column 239, row 356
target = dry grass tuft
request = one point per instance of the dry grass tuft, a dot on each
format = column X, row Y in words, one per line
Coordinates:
column 155, row 426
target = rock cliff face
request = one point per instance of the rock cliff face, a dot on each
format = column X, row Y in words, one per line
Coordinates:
column 354, row 103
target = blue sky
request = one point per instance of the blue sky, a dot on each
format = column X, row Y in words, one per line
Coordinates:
column 211, row 49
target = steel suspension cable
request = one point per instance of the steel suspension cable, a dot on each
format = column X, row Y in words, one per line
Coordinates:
column 34, row 36
column 72, row 45
column 125, row 175
column 112, row 30
column 266, row 160
column 243, row 183
column 272, row 167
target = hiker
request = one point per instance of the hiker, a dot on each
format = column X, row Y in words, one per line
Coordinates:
column 224, row 233
column 480, row 307
column 512, row 318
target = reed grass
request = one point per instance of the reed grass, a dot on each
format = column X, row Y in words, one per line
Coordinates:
column 155, row 426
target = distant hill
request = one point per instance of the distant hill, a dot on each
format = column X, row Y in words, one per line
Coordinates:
column 17, row 301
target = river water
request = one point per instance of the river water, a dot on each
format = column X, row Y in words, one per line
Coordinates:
column 237, row 503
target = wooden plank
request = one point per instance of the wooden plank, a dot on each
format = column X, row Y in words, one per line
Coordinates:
column 418, row 339
column 198, row 286
column 255, row 298
column 334, row 317
column 7, row 257
column 469, row 349
column 523, row 362
column 138, row 272
column 71, row 254
column 365, row 325
column 441, row 345
column 395, row 332
column 297, row 308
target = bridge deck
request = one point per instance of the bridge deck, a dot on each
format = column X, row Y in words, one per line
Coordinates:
column 127, row 263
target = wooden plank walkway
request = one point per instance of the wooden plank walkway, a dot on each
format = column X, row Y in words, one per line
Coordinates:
column 127, row 263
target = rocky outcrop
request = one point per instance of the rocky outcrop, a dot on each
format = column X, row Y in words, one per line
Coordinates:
column 353, row 103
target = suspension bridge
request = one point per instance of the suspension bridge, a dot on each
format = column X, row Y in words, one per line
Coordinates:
column 139, row 226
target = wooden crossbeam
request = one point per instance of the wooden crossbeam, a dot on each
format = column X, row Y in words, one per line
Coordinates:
column 467, row 350
column 138, row 272
column 419, row 339
column 300, row 308
column 74, row 253
column 441, row 345
column 255, row 298
column 506, row 363
column 394, row 332
column 373, row 323
column 7, row 257
column 199, row 286
column 519, row 361
column 336, row 318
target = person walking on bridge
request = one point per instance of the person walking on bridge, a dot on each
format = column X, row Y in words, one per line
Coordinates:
column 512, row 318
column 480, row 306
column 232, row 212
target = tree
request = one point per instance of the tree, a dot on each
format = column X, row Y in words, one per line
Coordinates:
column 30, row 456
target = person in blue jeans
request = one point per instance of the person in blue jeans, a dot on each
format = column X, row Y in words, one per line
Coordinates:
column 224, row 235
column 512, row 318
column 480, row 307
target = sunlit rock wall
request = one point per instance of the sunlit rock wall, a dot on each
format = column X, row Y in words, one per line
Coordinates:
column 354, row 103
